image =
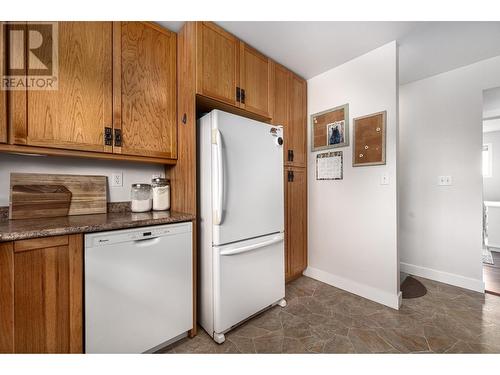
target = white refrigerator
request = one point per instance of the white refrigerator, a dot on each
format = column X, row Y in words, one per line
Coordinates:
column 241, row 211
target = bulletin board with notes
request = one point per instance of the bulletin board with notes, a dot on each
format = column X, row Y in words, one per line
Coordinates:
column 330, row 128
column 329, row 166
column 369, row 140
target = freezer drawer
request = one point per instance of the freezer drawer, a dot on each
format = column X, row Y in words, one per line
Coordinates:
column 248, row 276
column 138, row 292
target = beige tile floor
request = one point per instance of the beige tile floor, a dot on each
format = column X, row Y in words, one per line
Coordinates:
column 322, row 319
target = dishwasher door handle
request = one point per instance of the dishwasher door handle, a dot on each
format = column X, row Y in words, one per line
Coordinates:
column 145, row 242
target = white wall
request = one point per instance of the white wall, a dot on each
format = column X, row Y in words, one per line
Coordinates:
column 440, row 134
column 132, row 172
column 353, row 222
column 491, row 185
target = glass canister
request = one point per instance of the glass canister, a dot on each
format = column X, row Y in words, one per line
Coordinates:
column 161, row 194
column 141, row 198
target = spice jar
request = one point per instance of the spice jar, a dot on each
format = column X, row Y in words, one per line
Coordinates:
column 161, row 194
column 141, row 198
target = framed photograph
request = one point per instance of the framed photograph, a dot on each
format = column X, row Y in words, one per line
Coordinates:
column 369, row 140
column 335, row 133
column 330, row 128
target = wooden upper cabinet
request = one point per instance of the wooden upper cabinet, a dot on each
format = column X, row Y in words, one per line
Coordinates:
column 231, row 71
column 255, row 81
column 296, row 129
column 3, row 93
column 145, row 101
column 280, row 102
column 289, row 110
column 73, row 116
column 217, row 63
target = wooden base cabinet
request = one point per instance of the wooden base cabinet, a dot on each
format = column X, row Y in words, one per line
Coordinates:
column 41, row 285
column 295, row 222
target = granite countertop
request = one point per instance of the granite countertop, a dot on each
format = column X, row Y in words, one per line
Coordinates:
column 12, row 230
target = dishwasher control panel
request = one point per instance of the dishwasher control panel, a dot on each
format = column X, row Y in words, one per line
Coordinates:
column 136, row 234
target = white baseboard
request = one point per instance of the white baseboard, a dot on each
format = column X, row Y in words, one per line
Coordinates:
column 443, row 277
column 363, row 290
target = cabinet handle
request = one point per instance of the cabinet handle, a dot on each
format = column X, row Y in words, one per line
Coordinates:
column 118, row 137
column 290, row 176
column 184, row 118
column 238, row 94
column 243, row 96
column 290, row 155
column 108, row 136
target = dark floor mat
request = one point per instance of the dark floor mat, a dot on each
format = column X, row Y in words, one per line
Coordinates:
column 412, row 288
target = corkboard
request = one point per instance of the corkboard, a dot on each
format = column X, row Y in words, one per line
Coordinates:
column 369, row 140
column 320, row 123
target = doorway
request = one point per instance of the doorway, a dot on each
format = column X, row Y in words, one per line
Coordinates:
column 491, row 190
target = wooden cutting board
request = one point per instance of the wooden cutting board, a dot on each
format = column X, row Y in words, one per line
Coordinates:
column 36, row 201
column 88, row 193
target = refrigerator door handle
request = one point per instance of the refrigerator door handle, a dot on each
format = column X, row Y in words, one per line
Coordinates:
column 220, row 179
column 244, row 249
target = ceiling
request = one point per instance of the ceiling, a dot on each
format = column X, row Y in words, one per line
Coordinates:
column 311, row 48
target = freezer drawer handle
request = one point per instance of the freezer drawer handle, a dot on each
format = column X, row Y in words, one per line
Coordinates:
column 247, row 248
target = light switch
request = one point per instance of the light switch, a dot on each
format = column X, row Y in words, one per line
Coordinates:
column 384, row 179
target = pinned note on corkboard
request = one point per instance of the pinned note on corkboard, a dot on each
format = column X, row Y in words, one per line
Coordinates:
column 330, row 128
column 369, row 140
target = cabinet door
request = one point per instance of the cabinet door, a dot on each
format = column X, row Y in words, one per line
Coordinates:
column 48, row 295
column 280, row 103
column 74, row 116
column 146, row 57
column 280, row 96
column 296, row 136
column 217, row 63
column 255, row 81
column 6, row 298
column 296, row 221
column 3, row 93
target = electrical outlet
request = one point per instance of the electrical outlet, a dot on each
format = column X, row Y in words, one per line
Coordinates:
column 445, row 180
column 117, row 179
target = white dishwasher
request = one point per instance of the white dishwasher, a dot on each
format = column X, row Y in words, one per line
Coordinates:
column 138, row 288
